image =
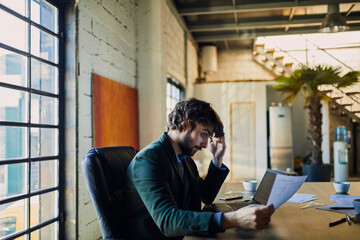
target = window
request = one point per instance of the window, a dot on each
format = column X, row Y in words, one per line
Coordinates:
column 31, row 120
column 174, row 93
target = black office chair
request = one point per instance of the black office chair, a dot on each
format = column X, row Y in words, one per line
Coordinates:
column 104, row 171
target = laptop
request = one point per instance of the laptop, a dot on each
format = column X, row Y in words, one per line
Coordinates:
column 261, row 195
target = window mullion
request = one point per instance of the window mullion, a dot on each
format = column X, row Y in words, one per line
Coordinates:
column 29, row 117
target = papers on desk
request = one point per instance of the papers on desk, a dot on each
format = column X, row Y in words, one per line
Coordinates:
column 281, row 186
column 301, row 198
column 342, row 201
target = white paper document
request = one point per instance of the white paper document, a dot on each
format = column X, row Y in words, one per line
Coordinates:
column 284, row 187
column 345, row 200
column 341, row 201
column 301, row 198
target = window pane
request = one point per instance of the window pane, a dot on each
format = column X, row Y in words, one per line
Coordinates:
column 44, row 109
column 14, row 68
column 13, row 31
column 16, row 5
column 13, row 105
column 168, row 102
column 44, row 142
column 44, row 14
column 13, row 217
column 43, row 207
column 49, row 232
column 13, row 180
column 173, row 103
column 44, row 174
column 13, row 142
column 44, row 77
column 21, row 238
column 44, row 45
column 168, row 88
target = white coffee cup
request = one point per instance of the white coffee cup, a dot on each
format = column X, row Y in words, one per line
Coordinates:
column 341, row 187
column 250, row 185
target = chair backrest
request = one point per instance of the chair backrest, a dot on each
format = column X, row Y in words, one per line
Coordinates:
column 104, row 170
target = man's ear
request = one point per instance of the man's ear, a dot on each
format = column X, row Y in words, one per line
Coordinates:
column 185, row 125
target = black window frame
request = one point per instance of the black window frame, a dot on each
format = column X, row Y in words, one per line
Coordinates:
column 174, row 83
column 60, row 218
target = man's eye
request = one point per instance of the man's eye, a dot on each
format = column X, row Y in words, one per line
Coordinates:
column 204, row 135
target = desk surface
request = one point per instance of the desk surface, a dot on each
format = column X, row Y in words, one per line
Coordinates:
column 291, row 222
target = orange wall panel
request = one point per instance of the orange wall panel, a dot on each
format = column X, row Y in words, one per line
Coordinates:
column 115, row 113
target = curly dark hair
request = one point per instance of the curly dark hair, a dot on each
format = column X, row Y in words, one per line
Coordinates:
column 193, row 111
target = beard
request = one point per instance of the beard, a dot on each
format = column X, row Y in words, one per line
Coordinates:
column 186, row 145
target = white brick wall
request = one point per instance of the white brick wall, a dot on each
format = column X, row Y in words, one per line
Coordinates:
column 192, row 68
column 174, row 47
column 107, row 46
column 238, row 65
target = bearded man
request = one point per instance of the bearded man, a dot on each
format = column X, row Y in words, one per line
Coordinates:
column 164, row 191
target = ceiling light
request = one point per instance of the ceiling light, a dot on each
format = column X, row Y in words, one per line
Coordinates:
column 333, row 21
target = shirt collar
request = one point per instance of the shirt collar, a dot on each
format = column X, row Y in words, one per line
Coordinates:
column 181, row 157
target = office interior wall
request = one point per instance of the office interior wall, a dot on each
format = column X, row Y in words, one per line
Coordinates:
column 220, row 95
column 242, row 140
column 192, row 67
column 163, row 50
column 238, row 65
column 174, row 46
column 244, row 80
column 106, row 46
column 151, row 69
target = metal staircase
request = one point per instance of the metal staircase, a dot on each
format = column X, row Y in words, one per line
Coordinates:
column 280, row 62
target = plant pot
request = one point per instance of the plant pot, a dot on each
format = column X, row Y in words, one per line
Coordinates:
column 317, row 173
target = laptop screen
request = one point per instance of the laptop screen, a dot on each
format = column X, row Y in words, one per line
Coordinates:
column 263, row 192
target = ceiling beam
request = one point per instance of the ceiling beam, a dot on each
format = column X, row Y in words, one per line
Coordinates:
column 264, row 24
column 254, row 34
column 249, row 6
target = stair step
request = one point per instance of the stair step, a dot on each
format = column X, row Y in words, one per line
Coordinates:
column 352, row 93
column 326, row 91
column 288, row 65
column 279, row 58
column 336, row 98
column 346, row 104
column 260, row 45
column 270, row 51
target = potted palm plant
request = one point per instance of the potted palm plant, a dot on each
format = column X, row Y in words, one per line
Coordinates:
column 307, row 80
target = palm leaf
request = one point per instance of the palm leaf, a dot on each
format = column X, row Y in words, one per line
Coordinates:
column 307, row 80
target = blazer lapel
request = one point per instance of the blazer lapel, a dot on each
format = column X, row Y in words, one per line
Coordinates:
column 170, row 151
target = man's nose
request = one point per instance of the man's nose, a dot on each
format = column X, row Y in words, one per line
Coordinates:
column 204, row 143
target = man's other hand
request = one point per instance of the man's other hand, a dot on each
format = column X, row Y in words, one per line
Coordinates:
column 217, row 148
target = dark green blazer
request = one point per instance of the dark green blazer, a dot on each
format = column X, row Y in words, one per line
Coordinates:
column 155, row 194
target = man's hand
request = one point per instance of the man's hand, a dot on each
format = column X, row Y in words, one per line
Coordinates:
column 217, row 148
column 251, row 217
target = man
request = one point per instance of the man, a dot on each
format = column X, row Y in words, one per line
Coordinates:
column 165, row 191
